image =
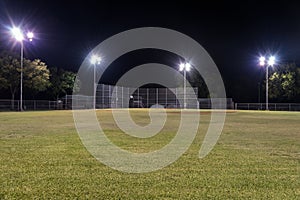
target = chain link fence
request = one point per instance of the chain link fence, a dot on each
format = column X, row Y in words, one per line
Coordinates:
column 272, row 106
column 109, row 96
column 14, row 105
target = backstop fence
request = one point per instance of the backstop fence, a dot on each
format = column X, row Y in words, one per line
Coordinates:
column 109, row 96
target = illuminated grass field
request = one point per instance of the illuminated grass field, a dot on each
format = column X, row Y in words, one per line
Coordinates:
column 256, row 157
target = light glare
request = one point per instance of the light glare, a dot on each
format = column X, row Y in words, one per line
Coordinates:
column 187, row 66
column 30, row 36
column 262, row 59
column 95, row 59
column 181, row 67
column 16, row 32
column 271, row 60
column 262, row 63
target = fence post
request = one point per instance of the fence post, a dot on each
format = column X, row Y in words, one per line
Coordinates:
column 289, row 107
column 166, row 97
column 122, row 97
column 103, row 95
column 248, row 106
column 117, row 106
column 176, row 99
column 129, row 93
column 147, row 97
column 66, row 103
column 156, row 95
column 275, row 107
column 109, row 96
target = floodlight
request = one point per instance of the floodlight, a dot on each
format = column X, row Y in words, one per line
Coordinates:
column 271, row 60
column 30, row 36
column 17, row 33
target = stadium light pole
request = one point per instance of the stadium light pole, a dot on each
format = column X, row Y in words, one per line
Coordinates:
column 18, row 35
column 270, row 62
column 95, row 60
column 184, row 67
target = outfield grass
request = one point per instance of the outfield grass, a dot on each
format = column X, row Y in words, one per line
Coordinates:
column 256, row 157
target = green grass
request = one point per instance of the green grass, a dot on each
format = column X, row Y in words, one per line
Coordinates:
column 256, row 157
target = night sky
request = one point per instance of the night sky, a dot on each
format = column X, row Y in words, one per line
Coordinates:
column 234, row 34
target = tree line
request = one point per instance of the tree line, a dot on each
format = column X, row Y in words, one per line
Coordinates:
column 284, row 83
column 52, row 82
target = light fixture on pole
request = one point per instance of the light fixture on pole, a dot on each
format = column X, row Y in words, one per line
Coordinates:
column 95, row 60
column 271, row 62
column 184, row 67
column 18, row 35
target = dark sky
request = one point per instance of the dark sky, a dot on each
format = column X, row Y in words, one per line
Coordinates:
column 233, row 33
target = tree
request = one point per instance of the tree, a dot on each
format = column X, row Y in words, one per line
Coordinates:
column 62, row 82
column 9, row 73
column 36, row 76
column 284, row 83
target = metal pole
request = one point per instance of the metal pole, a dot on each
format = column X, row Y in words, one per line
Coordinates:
column 147, row 97
column 103, row 95
column 267, row 88
column 258, row 92
column 157, row 96
column 176, row 97
column 116, row 96
column 109, row 97
column 94, row 103
column 184, row 89
column 21, row 81
column 122, row 97
column 166, row 97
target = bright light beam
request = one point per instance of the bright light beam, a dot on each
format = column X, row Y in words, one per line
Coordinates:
column 95, row 59
column 17, row 33
column 30, row 36
column 271, row 61
column 262, row 60
column 187, row 66
column 181, row 67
